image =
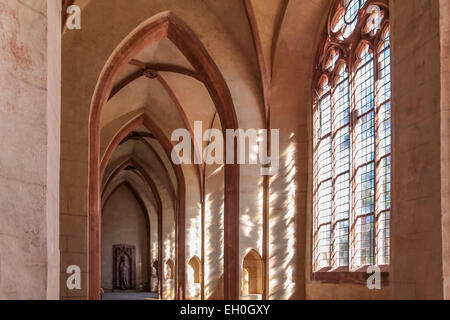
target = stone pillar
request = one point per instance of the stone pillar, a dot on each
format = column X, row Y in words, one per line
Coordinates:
column 29, row 142
column 416, row 266
column 445, row 140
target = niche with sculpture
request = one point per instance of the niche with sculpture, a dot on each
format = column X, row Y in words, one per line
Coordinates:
column 124, row 262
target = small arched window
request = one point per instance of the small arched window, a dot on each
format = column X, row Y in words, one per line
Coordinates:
column 170, row 266
column 195, row 270
column 252, row 274
column 352, row 139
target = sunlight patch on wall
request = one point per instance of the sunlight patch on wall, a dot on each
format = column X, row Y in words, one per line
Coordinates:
column 194, row 234
column 251, row 222
column 154, row 250
column 214, row 238
column 169, row 253
column 169, row 246
column 282, row 240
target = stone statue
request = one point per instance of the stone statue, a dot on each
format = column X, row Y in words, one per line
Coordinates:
column 124, row 273
column 124, row 261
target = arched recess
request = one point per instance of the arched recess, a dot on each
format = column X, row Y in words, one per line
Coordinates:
column 140, row 172
column 165, row 25
column 252, row 274
column 138, row 198
column 195, row 271
column 170, row 269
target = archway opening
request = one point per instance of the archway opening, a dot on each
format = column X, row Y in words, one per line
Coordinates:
column 161, row 26
column 126, row 242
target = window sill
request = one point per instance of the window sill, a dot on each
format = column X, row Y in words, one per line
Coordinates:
column 344, row 275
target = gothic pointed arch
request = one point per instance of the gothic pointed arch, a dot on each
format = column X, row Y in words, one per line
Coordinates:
column 165, row 25
column 252, row 274
column 195, row 270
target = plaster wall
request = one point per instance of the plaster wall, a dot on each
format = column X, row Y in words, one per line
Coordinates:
column 416, row 266
column 291, row 82
column 29, row 137
column 214, row 228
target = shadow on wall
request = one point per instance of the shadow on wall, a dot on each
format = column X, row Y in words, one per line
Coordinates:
column 218, row 291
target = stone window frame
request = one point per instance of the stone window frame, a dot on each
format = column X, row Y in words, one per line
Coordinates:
column 335, row 52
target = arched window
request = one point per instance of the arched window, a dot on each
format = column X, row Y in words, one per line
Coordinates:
column 195, row 270
column 352, row 139
column 252, row 274
column 170, row 269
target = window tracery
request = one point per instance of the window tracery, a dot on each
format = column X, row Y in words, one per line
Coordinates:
column 352, row 139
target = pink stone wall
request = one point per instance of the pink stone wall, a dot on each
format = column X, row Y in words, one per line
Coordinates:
column 416, row 266
column 29, row 137
column 53, row 145
column 445, row 140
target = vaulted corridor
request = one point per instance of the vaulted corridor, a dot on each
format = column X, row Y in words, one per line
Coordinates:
column 224, row 150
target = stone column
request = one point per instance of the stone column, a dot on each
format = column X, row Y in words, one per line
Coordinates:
column 416, row 266
column 445, row 140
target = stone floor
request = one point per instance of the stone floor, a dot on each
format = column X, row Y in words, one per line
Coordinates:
column 130, row 296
